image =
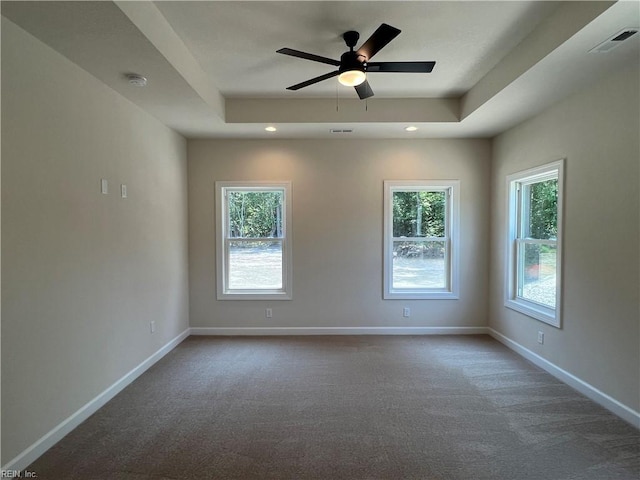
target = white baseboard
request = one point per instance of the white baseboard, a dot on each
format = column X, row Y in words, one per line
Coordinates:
column 601, row 398
column 259, row 331
column 29, row 455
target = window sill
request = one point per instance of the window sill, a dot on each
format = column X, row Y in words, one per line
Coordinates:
column 539, row 313
column 420, row 296
column 254, row 296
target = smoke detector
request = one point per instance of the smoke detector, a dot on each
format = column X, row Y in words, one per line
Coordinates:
column 136, row 80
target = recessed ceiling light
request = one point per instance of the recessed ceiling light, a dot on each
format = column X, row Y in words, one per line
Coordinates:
column 271, row 128
column 411, row 128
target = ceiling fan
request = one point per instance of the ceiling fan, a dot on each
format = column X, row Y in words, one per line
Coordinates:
column 354, row 65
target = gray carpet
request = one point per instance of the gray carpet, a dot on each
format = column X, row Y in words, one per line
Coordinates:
column 431, row 408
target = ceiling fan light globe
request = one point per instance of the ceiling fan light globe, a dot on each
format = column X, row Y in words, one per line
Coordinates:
column 352, row 78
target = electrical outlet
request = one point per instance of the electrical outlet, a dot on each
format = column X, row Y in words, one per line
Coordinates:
column 152, row 326
column 540, row 338
column 406, row 312
column 268, row 313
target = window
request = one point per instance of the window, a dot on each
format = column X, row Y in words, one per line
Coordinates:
column 534, row 243
column 254, row 240
column 420, row 239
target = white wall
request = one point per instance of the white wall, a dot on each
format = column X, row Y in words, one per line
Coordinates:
column 597, row 131
column 337, row 229
column 83, row 273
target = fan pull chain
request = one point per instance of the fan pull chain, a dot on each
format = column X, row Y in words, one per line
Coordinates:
column 366, row 104
column 337, row 105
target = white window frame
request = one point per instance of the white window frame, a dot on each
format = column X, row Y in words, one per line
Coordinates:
column 515, row 181
column 452, row 235
column 223, row 239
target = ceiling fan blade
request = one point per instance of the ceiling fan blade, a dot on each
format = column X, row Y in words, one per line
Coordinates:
column 298, row 86
column 364, row 90
column 380, row 38
column 403, row 67
column 308, row 56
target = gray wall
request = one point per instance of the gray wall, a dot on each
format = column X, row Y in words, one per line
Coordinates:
column 597, row 131
column 337, row 229
column 83, row 274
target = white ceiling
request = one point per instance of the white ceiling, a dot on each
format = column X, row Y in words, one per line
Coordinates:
column 213, row 69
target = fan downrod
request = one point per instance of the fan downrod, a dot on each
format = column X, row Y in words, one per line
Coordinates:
column 351, row 38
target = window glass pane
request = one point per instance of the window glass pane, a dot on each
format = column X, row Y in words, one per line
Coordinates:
column 537, row 273
column 541, row 210
column 255, row 265
column 419, row 214
column 419, row 265
column 255, row 214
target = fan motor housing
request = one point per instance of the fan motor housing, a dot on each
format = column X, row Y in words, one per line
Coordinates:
column 350, row 61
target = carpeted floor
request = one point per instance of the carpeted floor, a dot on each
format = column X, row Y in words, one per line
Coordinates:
column 350, row 407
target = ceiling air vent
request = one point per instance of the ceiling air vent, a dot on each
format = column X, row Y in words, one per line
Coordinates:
column 340, row 130
column 615, row 40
